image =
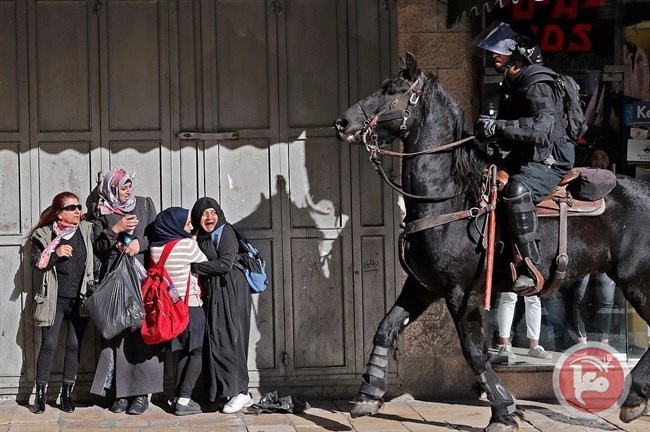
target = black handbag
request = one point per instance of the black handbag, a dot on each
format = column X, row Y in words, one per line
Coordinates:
column 116, row 303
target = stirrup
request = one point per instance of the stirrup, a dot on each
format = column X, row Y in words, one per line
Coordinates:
column 533, row 274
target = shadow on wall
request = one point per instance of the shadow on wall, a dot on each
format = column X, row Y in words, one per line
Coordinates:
column 24, row 296
column 319, row 260
column 316, row 273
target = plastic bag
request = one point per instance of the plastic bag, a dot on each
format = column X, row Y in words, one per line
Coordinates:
column 140, row 270
column 272, row 404
column 116, row 303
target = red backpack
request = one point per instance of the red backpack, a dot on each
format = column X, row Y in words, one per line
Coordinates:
column 164, row 319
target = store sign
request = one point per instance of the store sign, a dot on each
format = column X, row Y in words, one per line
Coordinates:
column 641, row 112
column 569, row 26
column 638, row 150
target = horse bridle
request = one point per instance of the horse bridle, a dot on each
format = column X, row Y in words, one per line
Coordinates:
column 368, row 136
column 371, row 140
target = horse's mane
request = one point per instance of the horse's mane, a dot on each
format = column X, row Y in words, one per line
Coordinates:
column 468, row 162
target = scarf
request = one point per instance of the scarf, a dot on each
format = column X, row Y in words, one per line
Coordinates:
column 109, row 203
column 201, row 205
column 169, row 225
column 63, row 230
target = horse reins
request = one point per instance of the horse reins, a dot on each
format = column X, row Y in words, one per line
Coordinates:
column 370, row 139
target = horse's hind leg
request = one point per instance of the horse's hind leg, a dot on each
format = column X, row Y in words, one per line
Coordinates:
column 412, row 301
column 465, row 309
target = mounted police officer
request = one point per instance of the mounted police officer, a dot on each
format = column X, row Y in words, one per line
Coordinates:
column 530, row 129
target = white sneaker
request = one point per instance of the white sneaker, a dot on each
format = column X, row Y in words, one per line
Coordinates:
column 237, row 403
column 506, row 351
column 540, row 353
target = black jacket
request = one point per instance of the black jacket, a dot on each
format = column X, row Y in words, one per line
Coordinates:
column 106, row 239
column 533, row 105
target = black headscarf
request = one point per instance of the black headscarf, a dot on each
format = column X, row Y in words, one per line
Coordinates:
column 169, row 225
column 201, row 205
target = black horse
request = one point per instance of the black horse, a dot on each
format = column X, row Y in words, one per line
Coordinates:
column 446, row 261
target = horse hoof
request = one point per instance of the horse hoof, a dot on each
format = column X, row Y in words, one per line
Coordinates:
column 503, row 424
column 629, row 414
column 366, row 408
column 500, row 427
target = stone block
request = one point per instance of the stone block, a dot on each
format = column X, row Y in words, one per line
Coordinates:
column 430, row 338
column 437, row 377
column 418, row 16
column 437, row 50
column 527, row 382
column 458, row 83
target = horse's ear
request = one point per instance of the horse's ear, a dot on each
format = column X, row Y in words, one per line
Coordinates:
column 402, row 63
column 411, row 65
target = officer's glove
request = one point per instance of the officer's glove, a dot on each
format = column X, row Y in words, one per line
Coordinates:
column 486, row 127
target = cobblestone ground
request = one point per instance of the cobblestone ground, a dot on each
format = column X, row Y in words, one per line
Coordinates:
column 401, row 414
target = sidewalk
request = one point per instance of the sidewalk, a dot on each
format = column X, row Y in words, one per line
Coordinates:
column 401, row 414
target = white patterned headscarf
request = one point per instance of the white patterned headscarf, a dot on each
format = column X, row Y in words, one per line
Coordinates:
column 109, row 202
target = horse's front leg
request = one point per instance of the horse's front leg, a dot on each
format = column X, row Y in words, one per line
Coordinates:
column 412, row 301
column 465, row 309
column 636, row 401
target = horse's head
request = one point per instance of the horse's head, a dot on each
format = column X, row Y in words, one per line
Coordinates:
column 387, row 113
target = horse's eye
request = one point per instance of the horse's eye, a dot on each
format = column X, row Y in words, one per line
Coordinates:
column 391, row 91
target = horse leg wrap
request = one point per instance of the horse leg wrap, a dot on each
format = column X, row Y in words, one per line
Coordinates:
column 374, row 380
column 501, row 401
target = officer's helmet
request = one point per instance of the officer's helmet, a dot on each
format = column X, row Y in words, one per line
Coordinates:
column 500, row 38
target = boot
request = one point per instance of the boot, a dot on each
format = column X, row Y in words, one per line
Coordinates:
column 522, row 220
column 66, row 397
column 39, row 399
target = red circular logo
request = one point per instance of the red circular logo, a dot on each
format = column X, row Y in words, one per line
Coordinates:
column 590, row 379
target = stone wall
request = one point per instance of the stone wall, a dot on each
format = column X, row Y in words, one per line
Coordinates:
column 447, row 53
column 431, row 364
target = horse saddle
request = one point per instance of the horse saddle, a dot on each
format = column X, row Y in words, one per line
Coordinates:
column 561, row 204
column 550, row 206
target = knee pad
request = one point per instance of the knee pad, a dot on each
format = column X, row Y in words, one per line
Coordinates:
column 517, row 192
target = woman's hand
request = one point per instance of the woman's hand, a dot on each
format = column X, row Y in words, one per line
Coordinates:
column 64, row 251
column 125, row 224
column 133, row 248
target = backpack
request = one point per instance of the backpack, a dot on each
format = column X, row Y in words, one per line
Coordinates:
column 250, row 261
column 164, row 319
column 574, row 117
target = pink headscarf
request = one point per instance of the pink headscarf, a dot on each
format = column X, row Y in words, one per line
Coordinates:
column 109, row 202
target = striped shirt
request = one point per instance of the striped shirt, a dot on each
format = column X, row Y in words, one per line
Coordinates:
column 185, row 252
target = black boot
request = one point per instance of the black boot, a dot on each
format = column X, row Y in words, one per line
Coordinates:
column 39, row 399
column 522, row 220
column 66, row 397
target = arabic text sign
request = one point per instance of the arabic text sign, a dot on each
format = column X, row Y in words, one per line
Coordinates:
column 590, row 380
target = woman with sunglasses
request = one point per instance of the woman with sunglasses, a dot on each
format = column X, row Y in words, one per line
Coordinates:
column 62, row 254
column 127, row 366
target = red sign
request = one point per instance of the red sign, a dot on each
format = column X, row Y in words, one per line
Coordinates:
column 571, row 26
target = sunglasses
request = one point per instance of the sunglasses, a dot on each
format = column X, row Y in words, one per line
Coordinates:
column 72, row 207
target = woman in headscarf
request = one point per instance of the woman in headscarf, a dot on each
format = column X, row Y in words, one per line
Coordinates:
column 171, row 230
column 227, row 305
column 62, row 254
column 126, row 363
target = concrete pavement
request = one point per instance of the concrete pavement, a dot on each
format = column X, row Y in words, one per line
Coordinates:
column 401, row 414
